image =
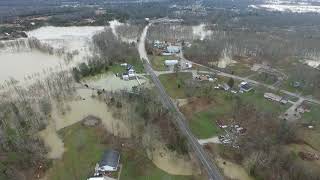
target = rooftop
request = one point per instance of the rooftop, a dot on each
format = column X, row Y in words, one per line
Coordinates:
column 110, row 158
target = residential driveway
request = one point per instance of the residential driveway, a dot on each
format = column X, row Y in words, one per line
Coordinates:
column 214, row 140
column 291, row 114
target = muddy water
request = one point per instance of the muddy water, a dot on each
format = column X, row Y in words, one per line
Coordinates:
column 20, row 65
column 84, row 105
column 69, row 38
column 200, row 32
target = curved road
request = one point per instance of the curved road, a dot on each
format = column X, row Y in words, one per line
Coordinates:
column 212, row 170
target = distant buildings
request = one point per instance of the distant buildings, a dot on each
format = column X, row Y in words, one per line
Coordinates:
column 166, row 48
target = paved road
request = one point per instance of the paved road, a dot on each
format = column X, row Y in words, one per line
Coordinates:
column 180, row 121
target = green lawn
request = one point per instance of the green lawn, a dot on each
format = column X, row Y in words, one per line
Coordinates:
column 84, row 148
column 157, row 62
column 139, row 167
column 256, row 98
column 313, row 116
column 174, row 83
column 203, row 123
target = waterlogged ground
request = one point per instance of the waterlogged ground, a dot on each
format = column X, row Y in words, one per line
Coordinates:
column 83, row 106
column 23, row 65
column 111, row 82
column 20, row 62
column 170, row 161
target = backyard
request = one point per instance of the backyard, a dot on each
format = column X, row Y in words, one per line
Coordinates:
column 84, row 148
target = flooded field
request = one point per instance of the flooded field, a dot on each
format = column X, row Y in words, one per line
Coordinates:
column 83, row 106
column 23, row 64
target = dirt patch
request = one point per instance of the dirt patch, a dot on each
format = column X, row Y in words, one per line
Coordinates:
column 110, row 82
column 181, row 102
column 91, row 121
column 233, row 170
column 195, row 105
column 52, row 141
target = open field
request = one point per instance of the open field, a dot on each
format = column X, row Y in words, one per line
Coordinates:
column 265, row 78
column 174, row 83
column 84, row 148
column 239, row 69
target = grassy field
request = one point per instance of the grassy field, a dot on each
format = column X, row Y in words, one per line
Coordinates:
column 240, row 69
column 256, row 98
column 84, row 148
column 157, row 62
column 311, row 136
column 203, row 123
column 313, row 116
column 265, row 78
column 174, row 84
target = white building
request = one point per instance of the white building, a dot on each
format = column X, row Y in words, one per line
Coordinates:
column 171, row 62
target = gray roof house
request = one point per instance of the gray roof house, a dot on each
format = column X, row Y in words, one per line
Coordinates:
column 173, row 49
column 245, row 87
column 110, row 161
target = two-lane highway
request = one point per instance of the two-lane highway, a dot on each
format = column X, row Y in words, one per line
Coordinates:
column 180, row 121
